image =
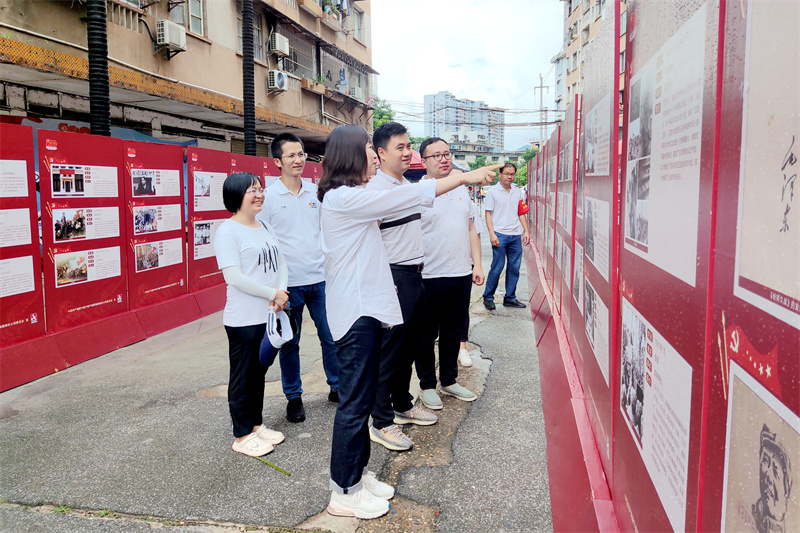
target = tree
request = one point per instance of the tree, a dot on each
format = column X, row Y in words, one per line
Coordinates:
column 522, row 166
column 381, row 113
column 479, row 162
column 416, row 141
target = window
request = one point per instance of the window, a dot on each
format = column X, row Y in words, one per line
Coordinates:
column 622, row 61
column 623, row 22
column 258, row 33
column 359, row 28
column 192, row 17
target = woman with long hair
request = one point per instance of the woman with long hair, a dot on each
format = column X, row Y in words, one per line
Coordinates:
column 361, row 300
column 256, row 274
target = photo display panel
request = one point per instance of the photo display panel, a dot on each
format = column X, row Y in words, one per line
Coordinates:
column 565, row 212
column 21, row 297
column 83, row 237
column 754, row 337
column 154, row 217
column 666, row 178
column 553, row 244
column 592, row 295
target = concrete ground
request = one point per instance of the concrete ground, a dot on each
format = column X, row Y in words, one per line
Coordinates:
column 140, row 439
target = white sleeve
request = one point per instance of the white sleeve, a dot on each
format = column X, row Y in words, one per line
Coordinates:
column 234, row 277
column 489, row 202
column 370, row 204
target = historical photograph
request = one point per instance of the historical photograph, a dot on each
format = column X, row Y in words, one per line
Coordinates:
column 637, row 200
column 589, row 243
column 145, row 219
column 589, row 139
column 71, row 268
column 634, row 354
column 588, row 308
column 69, row 224
column 202, row 233
column 763, row 442
column 143, row 182
column 146, row 256
column 577, row 276
column 202, row 184
column 579, row 204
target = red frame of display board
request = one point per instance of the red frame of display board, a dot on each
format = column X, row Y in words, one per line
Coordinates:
column 22, row 315
column 73, row 305
column 737, row 331
column 675, row 310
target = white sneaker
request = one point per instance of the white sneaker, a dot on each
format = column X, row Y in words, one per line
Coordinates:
column 464, row 358
column 379, row 489
column 252, row 446
column 269, row 435
column 360, row 504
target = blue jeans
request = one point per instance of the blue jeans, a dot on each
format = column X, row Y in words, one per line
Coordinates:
column 313, row 297
column 359, row 357
column 511, row 246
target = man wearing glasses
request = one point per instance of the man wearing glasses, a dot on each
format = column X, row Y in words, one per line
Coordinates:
column 452, row 247
column 505, row 227
column 292, row 209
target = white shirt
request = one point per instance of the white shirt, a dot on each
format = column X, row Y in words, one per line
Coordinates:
column 445, row 232
column 401, row 232
column 256, row 252
column 358, row 281
column 503, row 205
column 295, row 219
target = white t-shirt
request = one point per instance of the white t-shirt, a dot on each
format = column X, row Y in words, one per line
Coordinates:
column 256, row 252
column 295, row 219
column 401, row 232
column 503, row 205
column 358, row 281
column 445, row 232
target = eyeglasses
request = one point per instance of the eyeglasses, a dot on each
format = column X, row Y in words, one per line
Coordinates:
column 254, row 191
column 301, row 156
column 510, row 175
column 438, row 157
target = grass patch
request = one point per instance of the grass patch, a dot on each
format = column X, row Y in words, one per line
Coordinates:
column 62, row 509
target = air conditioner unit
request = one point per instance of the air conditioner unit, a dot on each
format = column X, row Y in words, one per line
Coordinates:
column 170, row 35
column 278, row 44
column 277, row 80
column 357, row 93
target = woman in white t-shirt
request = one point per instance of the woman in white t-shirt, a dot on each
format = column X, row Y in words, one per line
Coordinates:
column 256, row 274
column 361, row 300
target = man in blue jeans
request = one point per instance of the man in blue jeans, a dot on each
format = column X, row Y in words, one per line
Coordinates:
column 292, row 209
column 508, row 233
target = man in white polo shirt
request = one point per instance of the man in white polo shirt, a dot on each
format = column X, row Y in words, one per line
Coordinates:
column 292, row 209
column 402, row 240
column 452, row 247
column 505, row 227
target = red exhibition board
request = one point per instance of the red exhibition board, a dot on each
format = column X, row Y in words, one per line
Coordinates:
column 154, row 221
column 667, row 179
column 551, row 236
column 207, row 172
column 313, row 171
column 565, row 209
column 753, row 333
column 593, row 335
column 83, row 236
column 21, row 301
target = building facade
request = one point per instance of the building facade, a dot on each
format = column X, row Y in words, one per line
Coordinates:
column 175, row 67
column 467, row 122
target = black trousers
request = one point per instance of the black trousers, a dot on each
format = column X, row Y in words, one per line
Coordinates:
column 357, row 353
column 246, row 382
column 398, row 349
column 446, row 303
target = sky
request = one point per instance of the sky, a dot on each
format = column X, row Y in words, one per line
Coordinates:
column 489, row 50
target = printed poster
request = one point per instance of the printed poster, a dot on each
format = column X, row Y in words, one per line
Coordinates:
column 559, row 244
column 208, row 191
column 566, row 259
column 85, row 266
column 157, row 254
column 83, row 181
column 577, row 277
column 598, row 143
column 580, row 201
column 13, row 178
column 655, row 400
column 768, row 232
column 596, row 325
column 156, row 218
column 16, row 276
column 155, row 182
column 597, row 235
column 762, row 445
column 84, row 223
column 204, row 231
column 15, row 227
column 664, row 140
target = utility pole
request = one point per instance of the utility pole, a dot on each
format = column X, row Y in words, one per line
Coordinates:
column 541, row 107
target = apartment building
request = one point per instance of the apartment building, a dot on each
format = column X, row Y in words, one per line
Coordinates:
column 175, row 67
column 464, row 122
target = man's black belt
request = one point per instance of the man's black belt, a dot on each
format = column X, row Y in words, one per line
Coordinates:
column 409, row 268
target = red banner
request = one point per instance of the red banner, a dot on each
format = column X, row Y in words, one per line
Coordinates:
column 82, row 232
column 21, row 301
column 154, row 218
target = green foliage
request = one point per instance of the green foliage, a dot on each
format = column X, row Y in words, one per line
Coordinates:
column 479, row 162
column 62, row 509
column 381, row 113
column 416, row 141
column 522, row 166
